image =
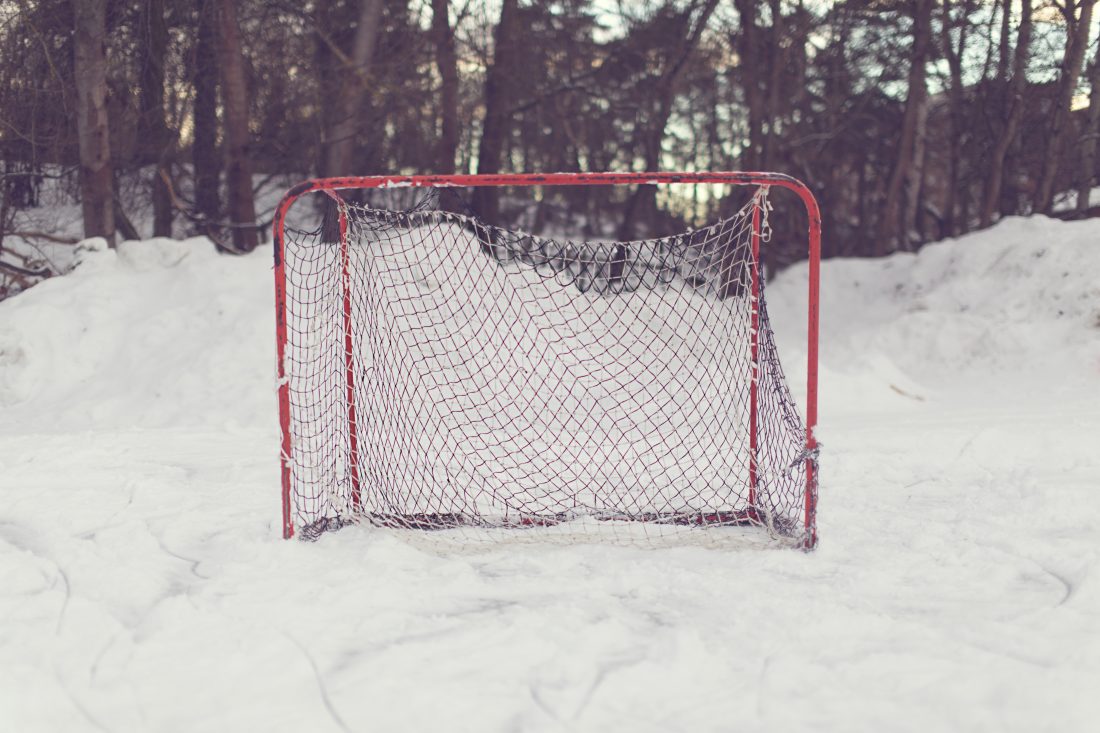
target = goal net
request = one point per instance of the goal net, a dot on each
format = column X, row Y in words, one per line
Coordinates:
column 441, row 374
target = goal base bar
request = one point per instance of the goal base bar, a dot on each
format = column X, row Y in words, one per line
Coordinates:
column 449, row 521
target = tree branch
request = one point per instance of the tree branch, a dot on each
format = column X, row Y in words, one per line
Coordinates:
column 43, row 235
column 17, row 270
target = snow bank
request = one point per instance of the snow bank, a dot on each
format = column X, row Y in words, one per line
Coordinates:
column 958, row 317
column 143, row 585
column 168, row 333
column 154, row 334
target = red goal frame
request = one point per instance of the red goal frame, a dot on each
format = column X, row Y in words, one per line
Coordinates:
column 332, row 186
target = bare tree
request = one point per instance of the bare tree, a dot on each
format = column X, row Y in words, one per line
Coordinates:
column 956, row 100
column 643, row 201
column 749, row 57
column 1005, row 40
column 494, row 129
column 90, row 79
column 906, row 172
column 204, row 145
column 156, row 136
column 446, row 61
column 242, row 207
column 354, row 82
column 1078, row 17
column 776, row 63
column 1015, row 113
column 834, row 93
column 1090, row 137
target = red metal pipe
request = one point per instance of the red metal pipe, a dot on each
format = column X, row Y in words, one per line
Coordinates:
column 812, row 329
column 754, row 341
column 349, row 351
column 284, row 386
column 547, row 179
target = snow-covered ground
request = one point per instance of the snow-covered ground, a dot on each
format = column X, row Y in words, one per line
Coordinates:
column 143, row 584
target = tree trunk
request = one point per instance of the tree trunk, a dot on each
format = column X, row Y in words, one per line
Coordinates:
column 1077, row 36
column 325, row 84
column 643, row 202
column 348, row 104
column 914, row 184
column 1092, row 133
column 495, row 127
column 1006, row 26
column 204, row 147
column 892, row 232
column 155, row 131
column 749, row 64
column 776, row 63
column 1014, row 116
column 447, row 63
column 90, row 77
column 956, row 98
column 242, row 208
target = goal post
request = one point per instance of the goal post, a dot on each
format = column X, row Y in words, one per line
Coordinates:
column 436, row 372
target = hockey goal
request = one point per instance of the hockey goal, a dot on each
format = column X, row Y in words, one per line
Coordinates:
column 440, row 373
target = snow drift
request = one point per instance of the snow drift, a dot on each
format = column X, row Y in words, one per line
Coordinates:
column 169, row 333
column 144, row 587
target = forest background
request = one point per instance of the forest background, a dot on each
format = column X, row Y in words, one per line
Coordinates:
column 911, row 120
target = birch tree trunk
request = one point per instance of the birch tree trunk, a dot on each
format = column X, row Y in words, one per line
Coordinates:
column 914, row 180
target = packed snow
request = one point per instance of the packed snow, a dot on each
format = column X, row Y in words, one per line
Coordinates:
column 144, row 584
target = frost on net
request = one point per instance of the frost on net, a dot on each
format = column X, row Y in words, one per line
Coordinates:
column 447, row 374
